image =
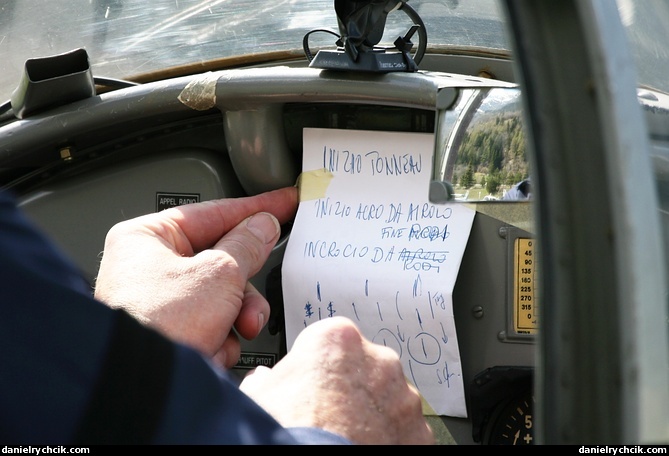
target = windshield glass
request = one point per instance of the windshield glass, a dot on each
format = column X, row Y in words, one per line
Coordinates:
column 646, row 24
column 125, row 38
column 130, row 37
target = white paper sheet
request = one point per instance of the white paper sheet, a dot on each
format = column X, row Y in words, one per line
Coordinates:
column 368, row 245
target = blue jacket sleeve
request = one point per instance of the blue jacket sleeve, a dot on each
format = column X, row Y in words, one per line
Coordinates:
column 76, row 371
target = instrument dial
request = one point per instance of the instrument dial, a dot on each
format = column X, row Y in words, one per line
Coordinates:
column 513, row 422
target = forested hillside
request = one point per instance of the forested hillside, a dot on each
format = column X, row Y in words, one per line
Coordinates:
column 492, row 153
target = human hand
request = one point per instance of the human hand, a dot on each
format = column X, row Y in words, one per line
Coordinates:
column 185, row 270
column 335, row 379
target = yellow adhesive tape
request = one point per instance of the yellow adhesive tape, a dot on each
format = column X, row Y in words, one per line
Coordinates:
column 314, row 184
column 200, row 93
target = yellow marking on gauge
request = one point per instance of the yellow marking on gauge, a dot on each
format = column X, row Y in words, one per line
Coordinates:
column 525, row 308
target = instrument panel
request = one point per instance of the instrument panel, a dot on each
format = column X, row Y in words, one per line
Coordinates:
column 79, row 169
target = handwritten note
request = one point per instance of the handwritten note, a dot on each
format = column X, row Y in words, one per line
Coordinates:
column 368, row 245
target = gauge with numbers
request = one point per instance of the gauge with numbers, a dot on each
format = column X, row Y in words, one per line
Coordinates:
column 512, row 423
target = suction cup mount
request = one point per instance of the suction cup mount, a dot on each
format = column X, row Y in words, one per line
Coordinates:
column 362, row 24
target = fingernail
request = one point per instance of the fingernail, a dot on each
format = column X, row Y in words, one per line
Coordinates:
column 261, row 322
column 263, row 226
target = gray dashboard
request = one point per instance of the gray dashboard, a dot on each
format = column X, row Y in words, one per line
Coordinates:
column 80, row 168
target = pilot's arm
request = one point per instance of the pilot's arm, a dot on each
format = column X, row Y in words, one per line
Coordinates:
column 75, row 371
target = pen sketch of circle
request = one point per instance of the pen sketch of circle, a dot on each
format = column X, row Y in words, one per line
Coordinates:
column 424, row 348
column 387, row 338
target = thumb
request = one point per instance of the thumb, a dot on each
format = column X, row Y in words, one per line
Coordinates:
column 251, row 242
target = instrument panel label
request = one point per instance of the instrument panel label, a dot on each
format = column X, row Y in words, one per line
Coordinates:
column 250, row 360
column 166, row 200
column 524, row 296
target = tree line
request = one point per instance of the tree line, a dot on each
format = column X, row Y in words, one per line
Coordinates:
column 492, row 153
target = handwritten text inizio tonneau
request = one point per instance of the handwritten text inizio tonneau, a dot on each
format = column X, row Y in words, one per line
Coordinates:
column 367, row 244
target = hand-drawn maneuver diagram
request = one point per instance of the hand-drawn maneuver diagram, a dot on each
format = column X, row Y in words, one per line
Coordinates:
column 368, row 245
